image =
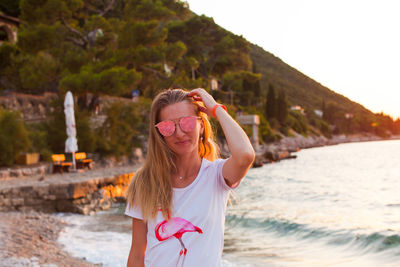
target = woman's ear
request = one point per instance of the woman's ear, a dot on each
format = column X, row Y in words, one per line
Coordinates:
column 201, row 127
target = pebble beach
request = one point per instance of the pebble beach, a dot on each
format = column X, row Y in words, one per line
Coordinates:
column 30, row 239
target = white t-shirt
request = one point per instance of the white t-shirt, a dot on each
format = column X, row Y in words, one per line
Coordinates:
column 197, row 222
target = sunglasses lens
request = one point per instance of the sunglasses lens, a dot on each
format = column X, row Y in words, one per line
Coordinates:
column 188, row 124
column 166, row 128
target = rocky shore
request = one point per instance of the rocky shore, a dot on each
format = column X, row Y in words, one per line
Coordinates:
column 28, row 237
column 283, row 148
column 80, row 192
column 30, row 240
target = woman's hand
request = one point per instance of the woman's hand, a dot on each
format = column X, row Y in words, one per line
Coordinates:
column 242, row 152
column 199, row 94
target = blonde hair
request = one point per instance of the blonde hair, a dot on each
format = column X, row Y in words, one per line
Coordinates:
column 151, row 188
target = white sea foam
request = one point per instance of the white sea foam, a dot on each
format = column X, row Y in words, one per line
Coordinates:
column 109, row 248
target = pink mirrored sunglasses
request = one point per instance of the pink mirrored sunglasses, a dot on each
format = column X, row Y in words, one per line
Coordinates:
column 168, row 127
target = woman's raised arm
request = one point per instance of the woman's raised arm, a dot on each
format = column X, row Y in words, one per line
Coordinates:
column 242, row 152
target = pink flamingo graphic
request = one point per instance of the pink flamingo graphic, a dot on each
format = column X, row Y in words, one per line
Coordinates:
column 176, row 227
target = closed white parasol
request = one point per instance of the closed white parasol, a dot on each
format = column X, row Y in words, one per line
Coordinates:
column 71, row 145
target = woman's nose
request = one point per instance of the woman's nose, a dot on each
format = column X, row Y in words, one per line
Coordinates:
column 178, row 130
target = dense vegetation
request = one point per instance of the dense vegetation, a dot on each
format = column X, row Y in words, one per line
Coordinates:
column 110, row 47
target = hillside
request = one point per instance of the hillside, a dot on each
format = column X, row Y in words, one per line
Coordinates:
column 300, row 89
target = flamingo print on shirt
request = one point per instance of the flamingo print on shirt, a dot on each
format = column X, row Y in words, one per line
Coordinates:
column 176, row 227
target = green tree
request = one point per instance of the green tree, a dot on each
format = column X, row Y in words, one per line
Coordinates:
column 9, row 66
column 10, row 7
column 297, row 122
column 271, row 106
column 251, row 91
column 216, row 50
column 239, row 84
column 38, row 136
column 14, row 137
column 100, row 47
column 331, row 112
column 323, row 108
column 282, row 108
column 121, row 130
column 256, row 86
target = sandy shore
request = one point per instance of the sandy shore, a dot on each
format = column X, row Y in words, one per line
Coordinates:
column 30, row 239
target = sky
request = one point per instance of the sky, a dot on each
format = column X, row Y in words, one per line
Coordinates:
column 350, row 46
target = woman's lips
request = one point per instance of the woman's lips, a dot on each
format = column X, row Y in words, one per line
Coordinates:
column 182, row 142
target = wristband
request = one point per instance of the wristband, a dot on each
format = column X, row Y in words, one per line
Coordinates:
column 215, row 108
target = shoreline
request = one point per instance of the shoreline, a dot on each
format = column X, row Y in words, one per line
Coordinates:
column 30, row 238
column 283, row 148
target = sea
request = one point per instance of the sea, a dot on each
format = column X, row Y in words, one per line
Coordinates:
column 331, row 206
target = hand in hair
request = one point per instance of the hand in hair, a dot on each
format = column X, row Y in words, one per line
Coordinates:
column 242, row 152
column 199, row 94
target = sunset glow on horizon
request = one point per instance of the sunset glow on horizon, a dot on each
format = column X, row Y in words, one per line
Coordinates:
column 351, row 47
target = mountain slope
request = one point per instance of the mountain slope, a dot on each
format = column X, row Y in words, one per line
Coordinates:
column 300, row 89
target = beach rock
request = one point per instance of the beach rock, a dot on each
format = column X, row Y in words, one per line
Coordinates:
column 15, row 173
column 258, row 162
column 5, row 173
column 65, row 193
column 283, row 155
column 269, row 156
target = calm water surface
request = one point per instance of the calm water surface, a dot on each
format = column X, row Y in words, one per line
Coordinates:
column 332, row 206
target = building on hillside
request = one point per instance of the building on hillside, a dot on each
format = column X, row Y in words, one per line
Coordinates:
column 298, row 108
column 8, row 29
column 318, row 112
column 349, row 115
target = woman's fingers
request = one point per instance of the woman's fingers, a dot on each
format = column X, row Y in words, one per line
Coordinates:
column 193, row 92
column 203, row 109
column 199, row 94
column 196, row 95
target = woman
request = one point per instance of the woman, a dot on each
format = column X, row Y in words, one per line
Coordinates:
column 178, row 199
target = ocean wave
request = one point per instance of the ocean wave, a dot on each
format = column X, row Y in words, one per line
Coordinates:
column 363, row 242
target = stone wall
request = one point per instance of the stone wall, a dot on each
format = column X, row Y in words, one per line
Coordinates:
column 33, row 108
column 84, row 197
column 25, row 171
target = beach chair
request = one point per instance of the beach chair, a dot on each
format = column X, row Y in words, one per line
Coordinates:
column 59, row 164
column 82, row 161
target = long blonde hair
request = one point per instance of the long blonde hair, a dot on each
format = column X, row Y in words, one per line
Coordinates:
column 151, row 188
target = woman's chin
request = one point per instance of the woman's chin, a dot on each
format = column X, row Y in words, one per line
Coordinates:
column 184, row 150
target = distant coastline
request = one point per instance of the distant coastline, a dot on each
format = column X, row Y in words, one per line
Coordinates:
column 283, row 148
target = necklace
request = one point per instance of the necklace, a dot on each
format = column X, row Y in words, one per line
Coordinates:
column 181, row 178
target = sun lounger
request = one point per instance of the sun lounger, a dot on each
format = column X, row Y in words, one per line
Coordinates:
column 59, row 164
column 82, row 161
